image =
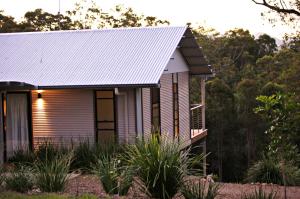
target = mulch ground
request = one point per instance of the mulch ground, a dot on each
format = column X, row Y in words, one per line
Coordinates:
column 89, row 184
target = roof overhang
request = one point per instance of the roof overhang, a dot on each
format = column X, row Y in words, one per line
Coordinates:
column 193, row 55
column 15, row 85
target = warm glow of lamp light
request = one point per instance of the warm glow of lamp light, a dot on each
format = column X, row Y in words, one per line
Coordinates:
column 40, row 104
column 40, row 101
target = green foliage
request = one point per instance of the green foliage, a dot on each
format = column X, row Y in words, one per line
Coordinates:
column 22, row 157
column 200, row 190
column 2, row 176
column 20, row 180
column 51, row 174
column 160, row 166
column 268, row 170
column 282, row 112
column 260, row 194
column 47, row 151
column 84, row 156
column 115, row 179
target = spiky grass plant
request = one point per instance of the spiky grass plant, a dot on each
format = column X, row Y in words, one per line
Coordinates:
column 2, row 175
column 22, row 157
column 51, row 174
column 268, row 170
column 200, row 190
column 115, row 178
column 260, row 194
column 160, row 165
column 20, row 179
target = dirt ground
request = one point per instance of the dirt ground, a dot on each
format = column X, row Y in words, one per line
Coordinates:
column 91, row 184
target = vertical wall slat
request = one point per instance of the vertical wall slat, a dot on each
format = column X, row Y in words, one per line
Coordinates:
column 166, row 105
column 184, row 108
column 146, row 112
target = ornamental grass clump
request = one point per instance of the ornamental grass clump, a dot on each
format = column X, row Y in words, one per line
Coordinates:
column 115, row 178
column 160, row 166
column 51, row 174
column 260, row 194
column 200, row 190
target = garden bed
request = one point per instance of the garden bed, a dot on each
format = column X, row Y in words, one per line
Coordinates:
column 84, row 184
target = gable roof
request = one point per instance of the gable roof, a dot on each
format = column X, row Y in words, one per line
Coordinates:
column 95, row 58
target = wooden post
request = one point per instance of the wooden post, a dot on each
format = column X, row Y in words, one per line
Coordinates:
column 204, row 160
column 203, row 102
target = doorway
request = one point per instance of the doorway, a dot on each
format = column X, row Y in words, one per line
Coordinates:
column 105, row 116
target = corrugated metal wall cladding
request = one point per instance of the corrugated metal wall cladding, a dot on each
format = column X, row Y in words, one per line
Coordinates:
column 99, row 57
column 64, row 114
column 184, row 108
column 166, row 105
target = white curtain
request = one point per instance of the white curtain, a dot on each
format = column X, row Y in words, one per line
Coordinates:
column 1, row 131
column 17, row 137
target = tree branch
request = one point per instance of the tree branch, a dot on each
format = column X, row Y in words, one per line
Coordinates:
column 277, row 9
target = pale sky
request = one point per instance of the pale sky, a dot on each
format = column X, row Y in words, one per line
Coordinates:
column 222, row 15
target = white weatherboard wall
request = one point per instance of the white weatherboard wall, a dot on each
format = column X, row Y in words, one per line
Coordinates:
column 126, row 120
column 176, row 64
column 63, row 115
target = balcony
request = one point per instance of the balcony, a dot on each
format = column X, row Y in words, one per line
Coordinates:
column 198, row 130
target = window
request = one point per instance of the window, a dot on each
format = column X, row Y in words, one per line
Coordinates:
column 175, row 106
column 105, row 116
column 155, row 109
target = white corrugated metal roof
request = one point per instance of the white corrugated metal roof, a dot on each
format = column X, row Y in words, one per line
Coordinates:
column 125, row 56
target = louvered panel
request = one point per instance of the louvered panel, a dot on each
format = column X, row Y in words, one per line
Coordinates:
column 184, row 109
column 63, row 115
column 121, row 118
column 166, row 105
column 131, row 116
column 146, row 113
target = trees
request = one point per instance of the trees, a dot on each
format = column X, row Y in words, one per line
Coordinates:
column 287, row 10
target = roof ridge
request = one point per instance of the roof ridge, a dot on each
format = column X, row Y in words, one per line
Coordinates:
column 92, row 30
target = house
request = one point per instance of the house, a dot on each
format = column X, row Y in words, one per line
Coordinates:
column 99, row 85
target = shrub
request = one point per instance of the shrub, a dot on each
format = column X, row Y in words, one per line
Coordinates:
column 20, row 180
column 260, row 194
column 51, row 174
column 269, row 170
column 115, row 179
column 83, row 157
column 47, row 151
column 2, row 175
column 22, row 157
column 86, row 155
column 200, row 190
column 159, row 164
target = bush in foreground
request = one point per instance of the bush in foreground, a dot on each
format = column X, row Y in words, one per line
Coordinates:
column 260, row 194
column 20, row 180
column 200, row 190
column 115, row 179
column 160, row 165
column 51, row 174
column 268, row 170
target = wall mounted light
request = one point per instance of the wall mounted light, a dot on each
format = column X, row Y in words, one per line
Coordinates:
column 39, row 95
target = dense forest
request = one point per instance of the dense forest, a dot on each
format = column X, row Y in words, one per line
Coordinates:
column 253, row 111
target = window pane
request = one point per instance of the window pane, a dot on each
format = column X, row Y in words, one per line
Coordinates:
column 105, row 110
column 106, row 136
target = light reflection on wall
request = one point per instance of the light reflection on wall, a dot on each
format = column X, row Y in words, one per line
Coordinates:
column 40, row 123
